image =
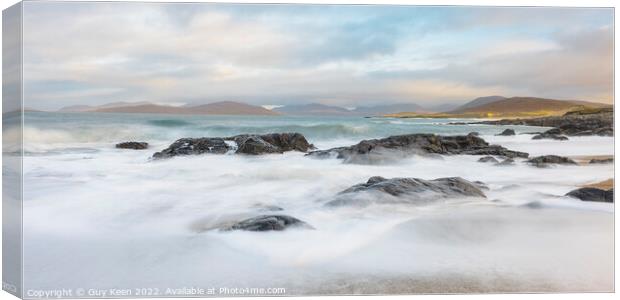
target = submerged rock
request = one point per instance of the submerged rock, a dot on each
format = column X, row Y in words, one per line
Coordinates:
column 241, row 144
column 268, row 223
column 506, row 162
column 592, row 194
column 379, row 150
column 488, row 159
column 549, row 136
column 133, row 145
column 543, row 161
column 507, row 132
column 602, row 161
column 408, row 190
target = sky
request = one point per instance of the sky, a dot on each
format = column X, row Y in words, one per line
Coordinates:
column 79, row 53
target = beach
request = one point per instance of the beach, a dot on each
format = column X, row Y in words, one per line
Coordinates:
column 101, row 217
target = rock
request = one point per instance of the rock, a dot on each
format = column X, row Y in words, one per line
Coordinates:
column 474, row 133
column 507, row 132
column 602, row 161
column 380, row 150
column 240, row 144
column 506, row 162
column 407, row 190
column 592, row 194
column 133, row 145
column 543, row 161
column 268, row 223
column 549, row 136
column 487, row 159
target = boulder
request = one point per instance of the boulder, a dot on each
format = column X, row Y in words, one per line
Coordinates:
column 379, row 150
column 592, row 194
column 549, row 136
column 241, row 144
column 133, row 145
column 488, row 159
column 268, row 223
column 507, row 132
column 543, row 161
column 602, row 161
column 407, row 190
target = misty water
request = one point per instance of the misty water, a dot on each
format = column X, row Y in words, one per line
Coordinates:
column 100, row 217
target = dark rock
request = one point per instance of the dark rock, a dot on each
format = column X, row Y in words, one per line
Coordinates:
column 474, row 133
column 408, row 190
column 506, row 162
column 507, row 132
column 241, row 144
column 378, row 150
column 543, row 161
column 268, row 223
column 602, row 161
column 133, row 145
column 593, row 194
column 487, row 159
column 549, row 136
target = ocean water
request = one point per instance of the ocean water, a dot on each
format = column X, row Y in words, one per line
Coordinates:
column 100, row 217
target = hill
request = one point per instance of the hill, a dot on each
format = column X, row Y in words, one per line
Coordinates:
column 509, row 108
column 478, row 102
column 527, row 106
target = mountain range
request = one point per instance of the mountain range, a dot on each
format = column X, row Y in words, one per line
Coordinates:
column 479, row 107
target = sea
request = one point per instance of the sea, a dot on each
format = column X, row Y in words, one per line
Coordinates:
column 99, row 218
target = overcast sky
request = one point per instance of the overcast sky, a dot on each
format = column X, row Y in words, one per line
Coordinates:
column 95, row 53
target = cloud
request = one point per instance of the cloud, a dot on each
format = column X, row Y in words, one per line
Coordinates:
column 92, row 53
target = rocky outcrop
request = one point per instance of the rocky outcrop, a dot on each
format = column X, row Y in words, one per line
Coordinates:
column 593, row 194
column 549, row 136
column 378, row 150
column 586, row 122
column 133, row 145
column 488, row 159
column 268, row 223
column 407, row 190
column 545, row 160
column 240, row 144
column 507, row 132
column 602, row 161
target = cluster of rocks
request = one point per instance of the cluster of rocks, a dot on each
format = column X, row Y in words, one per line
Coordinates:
column 579, row 123
column 549, row 136
column 546, row 160
column 241, row 144
column 133, row 145
column 369, row 151
column 601, row 161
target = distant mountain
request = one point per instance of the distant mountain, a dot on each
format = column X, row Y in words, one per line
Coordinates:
column 443, row 107
column 76, row 108
column 387, row 109
column 85, row 108
column 312, row 109
column 524, row 105
column 477, row 102
column 216, row 108
column 230, row 108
